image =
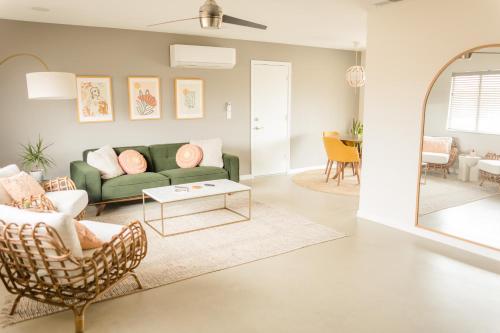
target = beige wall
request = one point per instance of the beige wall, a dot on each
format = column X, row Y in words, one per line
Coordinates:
column 436, row 114
column 408, row 42
column 321, row 99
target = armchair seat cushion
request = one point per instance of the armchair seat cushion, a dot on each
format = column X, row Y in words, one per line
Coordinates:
column 62, row 223
column 103, row 231
column 132, row 185
column 191, row 175
column 491, row 166
column 435, row 158
column 70, row 202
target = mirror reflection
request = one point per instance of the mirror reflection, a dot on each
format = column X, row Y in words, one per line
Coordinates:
column 460, row 165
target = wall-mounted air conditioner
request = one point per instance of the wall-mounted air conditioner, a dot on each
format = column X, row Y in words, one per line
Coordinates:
column 191, row 56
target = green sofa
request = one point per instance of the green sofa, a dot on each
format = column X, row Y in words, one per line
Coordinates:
column 162, row 171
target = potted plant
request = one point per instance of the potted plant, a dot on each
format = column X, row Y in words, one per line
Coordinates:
column 35, row 160
column 357, row 128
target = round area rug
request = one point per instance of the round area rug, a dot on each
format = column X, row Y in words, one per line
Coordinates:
column 316, row 180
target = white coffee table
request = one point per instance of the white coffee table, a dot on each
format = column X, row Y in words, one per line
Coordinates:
column 174, row 193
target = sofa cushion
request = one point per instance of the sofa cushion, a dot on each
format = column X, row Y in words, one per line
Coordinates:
column 118, row 150
column 491, row 166
column 183, row 176
column 435, row 158
column 62, row 223
column 163, row 156
column 71, row 202
column 132, row 185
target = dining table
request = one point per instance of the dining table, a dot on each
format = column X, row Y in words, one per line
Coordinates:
column 355, row 141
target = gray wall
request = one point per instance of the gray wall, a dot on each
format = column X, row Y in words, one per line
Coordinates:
column 436, row 113
column 321, row 100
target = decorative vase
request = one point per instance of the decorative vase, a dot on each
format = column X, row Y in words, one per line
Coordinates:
column 37, row 174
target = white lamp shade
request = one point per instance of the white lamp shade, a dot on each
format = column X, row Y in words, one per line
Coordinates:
column 51, row 85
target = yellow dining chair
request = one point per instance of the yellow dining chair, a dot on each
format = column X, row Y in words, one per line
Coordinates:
column 330, row 134
column 343, row 155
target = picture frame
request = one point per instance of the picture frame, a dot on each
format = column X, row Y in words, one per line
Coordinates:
column 144, row 97
column 94, row 99
column 189, row 98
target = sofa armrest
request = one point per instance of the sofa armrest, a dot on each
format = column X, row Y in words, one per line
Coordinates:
column 232, row 166
column 87, row 178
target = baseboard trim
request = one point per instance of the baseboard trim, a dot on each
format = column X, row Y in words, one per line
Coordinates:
column 299, row 170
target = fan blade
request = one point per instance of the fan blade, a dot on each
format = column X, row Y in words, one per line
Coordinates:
column 237, row 21
column 173, row 21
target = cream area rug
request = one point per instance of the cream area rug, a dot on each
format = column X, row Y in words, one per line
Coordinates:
column 316, row 180
column 270, row 232
column 439, row 193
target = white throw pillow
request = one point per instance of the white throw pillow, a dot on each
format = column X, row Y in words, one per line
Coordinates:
column 62, row 223
column 106, row 161
column 212, row 152
column 7, row 171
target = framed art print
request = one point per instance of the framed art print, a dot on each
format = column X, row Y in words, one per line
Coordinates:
column 144, row 98
column 189, row 98
column 94, row 101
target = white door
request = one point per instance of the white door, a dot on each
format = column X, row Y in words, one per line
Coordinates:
column 270, row 117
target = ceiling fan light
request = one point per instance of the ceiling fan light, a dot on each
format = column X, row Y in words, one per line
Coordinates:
column 211, row 22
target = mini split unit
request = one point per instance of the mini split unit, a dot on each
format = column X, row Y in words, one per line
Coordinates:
column 191, row 56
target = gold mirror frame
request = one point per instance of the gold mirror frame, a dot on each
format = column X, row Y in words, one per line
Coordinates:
column 422, row 124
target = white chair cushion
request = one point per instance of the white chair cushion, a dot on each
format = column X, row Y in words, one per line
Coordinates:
column 491, row 166
column 103, row 231
column 436, row 158
column 212, row 152
column 7, row 171
column 71, row 202
column 62, row 223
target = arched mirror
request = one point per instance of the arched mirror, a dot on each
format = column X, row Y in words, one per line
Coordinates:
column 459, row 190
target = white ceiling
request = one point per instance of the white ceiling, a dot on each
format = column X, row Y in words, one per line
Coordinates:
column 322, row 23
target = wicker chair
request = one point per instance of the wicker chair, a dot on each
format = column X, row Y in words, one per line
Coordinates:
column 36, row 264
column 42, row 201
column 488, row 176
column 445, row 168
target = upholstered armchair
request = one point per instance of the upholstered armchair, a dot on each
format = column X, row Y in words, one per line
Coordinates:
column 338, row 152
column 489, row 168
column 41, row 262
column 440, row 153
column 61, row 195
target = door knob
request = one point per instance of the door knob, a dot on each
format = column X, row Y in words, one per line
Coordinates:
column 258, row 128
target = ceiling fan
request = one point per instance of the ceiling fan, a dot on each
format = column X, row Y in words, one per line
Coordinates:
column 212, row 17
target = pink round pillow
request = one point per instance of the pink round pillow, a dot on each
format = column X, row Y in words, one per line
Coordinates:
column 132, row 162
column 188, row 156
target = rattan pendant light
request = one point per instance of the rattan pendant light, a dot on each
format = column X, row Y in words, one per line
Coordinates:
column 355, row 75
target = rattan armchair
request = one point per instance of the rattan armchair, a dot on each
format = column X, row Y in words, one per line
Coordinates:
column 445, row 168
column 488, row 176
column 36, row 264
column 44, row 203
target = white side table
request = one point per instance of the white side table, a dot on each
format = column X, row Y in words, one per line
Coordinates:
column 466, row 162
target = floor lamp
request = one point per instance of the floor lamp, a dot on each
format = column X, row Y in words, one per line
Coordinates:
column 47, row 85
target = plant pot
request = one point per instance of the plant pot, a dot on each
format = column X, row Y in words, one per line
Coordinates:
column 37, row 174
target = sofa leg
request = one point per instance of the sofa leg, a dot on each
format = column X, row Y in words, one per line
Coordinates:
column 100, row 208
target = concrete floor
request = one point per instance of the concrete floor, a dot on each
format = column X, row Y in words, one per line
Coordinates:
column 478, row 221
column 376, row 280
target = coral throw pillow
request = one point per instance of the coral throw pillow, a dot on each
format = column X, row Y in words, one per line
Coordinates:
column 188, row 156
column 21, row 186
column 132, row 162
column 88, row 240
